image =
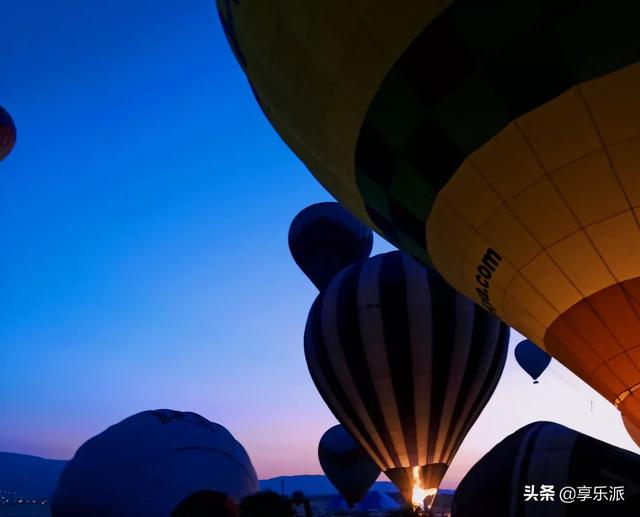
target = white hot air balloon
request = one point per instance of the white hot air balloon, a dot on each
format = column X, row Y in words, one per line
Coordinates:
column 149, row 464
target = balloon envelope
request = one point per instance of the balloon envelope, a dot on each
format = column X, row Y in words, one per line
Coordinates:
column 347, row 464
column 499, row 143
column 149, row 464
column 545, row 453
column 7, row 133
column 324, row 239
column 405, row 363
column 532, row 359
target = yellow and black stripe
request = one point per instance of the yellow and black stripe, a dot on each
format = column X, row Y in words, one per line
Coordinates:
column 498, row 141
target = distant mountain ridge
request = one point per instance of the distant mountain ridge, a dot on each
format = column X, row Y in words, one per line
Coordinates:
column 35, row 477
column 29, row 476
column 315, row 484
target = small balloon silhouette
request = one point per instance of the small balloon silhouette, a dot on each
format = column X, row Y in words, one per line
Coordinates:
column 324, row 239
column 7, row 133
column 532, row 359
column 347, row 464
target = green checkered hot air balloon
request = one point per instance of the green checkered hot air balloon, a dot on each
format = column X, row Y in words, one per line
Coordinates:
column 496, row 141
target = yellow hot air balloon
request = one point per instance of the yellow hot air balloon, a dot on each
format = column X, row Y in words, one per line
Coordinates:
column 499, row 143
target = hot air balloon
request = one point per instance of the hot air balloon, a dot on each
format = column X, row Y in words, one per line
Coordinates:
column 155, row 463
column 498, row 142
column 545, row 453
column 324, row 239
column 346, row 464
column 7, row 133
column 405, row 363
column 532, row 359
column 633, row 431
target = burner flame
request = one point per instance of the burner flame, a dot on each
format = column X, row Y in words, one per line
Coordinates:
column 421, row 497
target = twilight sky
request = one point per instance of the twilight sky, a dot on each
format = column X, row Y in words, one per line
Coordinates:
column 143, row 221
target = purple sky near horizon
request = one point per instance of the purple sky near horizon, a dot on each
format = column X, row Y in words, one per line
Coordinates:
column 144, row 216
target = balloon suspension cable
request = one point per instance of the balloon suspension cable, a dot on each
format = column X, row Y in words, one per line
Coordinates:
column 573, row 387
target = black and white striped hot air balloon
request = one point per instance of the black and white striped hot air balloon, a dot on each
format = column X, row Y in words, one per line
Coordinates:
column 405, row 363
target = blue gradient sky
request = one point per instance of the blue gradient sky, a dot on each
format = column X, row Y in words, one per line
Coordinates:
column 144, row 264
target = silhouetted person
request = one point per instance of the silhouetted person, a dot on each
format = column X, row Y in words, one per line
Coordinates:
column 206, row 504
column 265, row 504
column 301, row 506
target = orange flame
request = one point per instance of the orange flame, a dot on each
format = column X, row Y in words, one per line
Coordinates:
column 420, row 494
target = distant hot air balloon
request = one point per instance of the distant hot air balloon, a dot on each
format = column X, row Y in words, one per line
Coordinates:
column 152, row 464
column 532, row 359
column 347, row 464
column 7, row 133
column 324, row 239
column 405, row 363
column 632, row 429
column 499, row 143
column 545, row 453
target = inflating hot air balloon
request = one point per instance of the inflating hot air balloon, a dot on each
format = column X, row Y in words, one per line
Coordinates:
column 347, row 464
column 405, row 363
column 597, row 478
column 632, row 429
column 7, row 133
column 532, row 359
column 499, row 142
column 155, row 463
column 324, row 239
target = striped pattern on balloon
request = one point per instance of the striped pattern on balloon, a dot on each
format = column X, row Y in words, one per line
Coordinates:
column 404, row 362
